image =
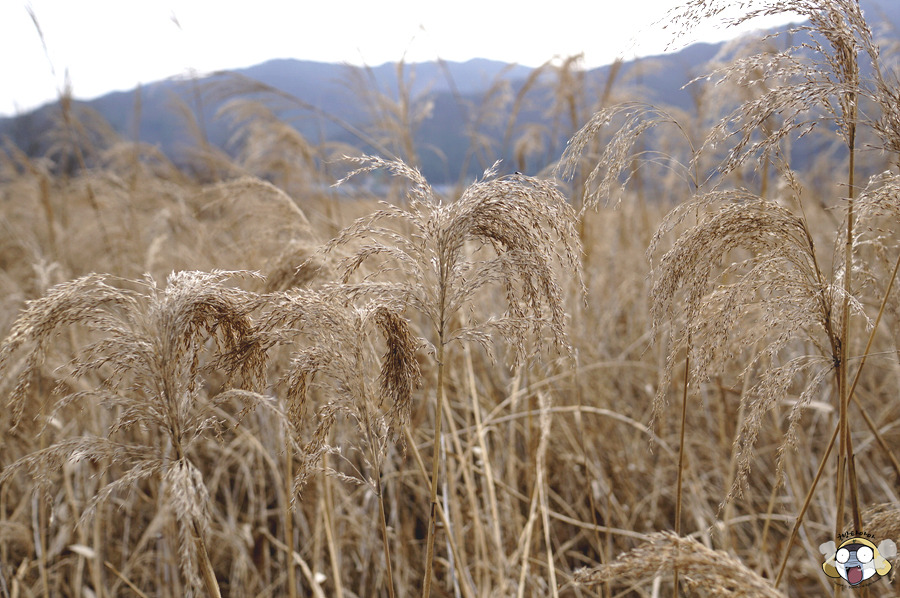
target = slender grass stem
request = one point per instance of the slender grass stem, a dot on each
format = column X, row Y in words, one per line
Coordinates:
column 845, row 452
column 207, row 572
column 384, row 535
column 466, row 590
column 805, row 506
column 289, row 517
column 333, row 555
column 376, row 460
column 435, row 468
column 488, row 469
column 681, row 451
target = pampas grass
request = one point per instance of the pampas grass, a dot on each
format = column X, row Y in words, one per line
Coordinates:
column 746, row 275
column 337, row 349
column 150, row 356
column 524, row 222
column 706, row 572
column 381, row 388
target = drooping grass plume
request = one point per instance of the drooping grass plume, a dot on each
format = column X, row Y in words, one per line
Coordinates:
column 747, row 279
column 779, row 289
column 524, row 222
column 246, row 213
column 827, row 87
column 336, row 357
column 335, row 344
column 705, row 572
column 297, row 265
column 395, row 114
column 272, row 149
column 741, row 192
column 613, row 166
column 151, row 350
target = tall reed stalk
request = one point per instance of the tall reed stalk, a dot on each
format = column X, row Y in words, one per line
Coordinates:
column 519, row 227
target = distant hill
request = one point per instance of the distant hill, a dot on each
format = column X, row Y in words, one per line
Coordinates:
column 334, row 90
column 336, row 103
column 347, row 95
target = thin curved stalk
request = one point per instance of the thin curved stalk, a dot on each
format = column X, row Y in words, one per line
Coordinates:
column 679, row 482
column 289, row 517
column 466, row 590
column 845, row 453
column 376, row 460
column 435, row 465
column 334, row 558
column 862, row 363
column 806, row 502
column 206, row 568
column 384, row 535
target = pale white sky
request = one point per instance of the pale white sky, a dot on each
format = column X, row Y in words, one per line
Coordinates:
column 108, row 45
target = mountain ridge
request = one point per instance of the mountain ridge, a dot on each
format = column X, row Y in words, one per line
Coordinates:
column 353, row 98
column 334, row 89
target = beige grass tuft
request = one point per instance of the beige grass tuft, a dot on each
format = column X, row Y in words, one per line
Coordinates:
column 705, row 572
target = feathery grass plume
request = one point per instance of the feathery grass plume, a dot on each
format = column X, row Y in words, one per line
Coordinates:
column 818, row 82
column 746, row 274
column 706, row 572
column 745, row 284
column 481, row 114
column 248, row 222
column 879, row 207
column 778, row 286
column 153, row 351
column 825, row 84
column 30, row 224
column 78, row 137
column 233, row 90
column 375, row 393
column 779, row 278
column 522, row 104
column 205, row 161
column 614, row 166
column 299, row 264
column 338, row 346
column 119, row 210
column 395, row 114
column 563, row 95
column 272, row 149
column 562, row 92
column 884, row 519
column 75, row 142
column 524, row 221
column 139, row 161
column 883, row 522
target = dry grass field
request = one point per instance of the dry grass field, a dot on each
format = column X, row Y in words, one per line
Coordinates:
column 665, row 365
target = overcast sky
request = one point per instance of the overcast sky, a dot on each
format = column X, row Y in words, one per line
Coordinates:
column 108, row 45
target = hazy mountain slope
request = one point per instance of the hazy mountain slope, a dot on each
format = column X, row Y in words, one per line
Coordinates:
column 345, row 99
column 352, row 95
